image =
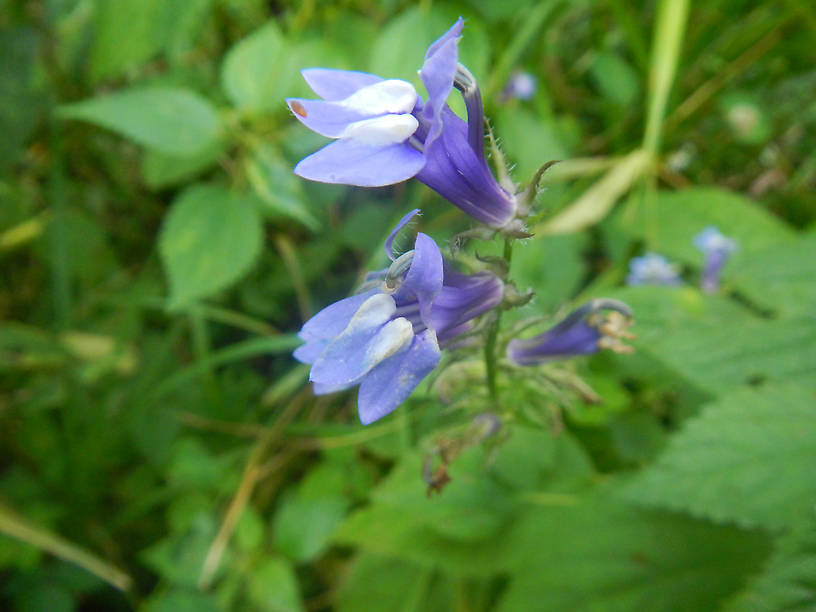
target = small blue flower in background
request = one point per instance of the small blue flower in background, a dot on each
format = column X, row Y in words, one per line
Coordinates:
column 717, row 249
column 387, row 339
column 652, row 269
column 596, row 325
column 521, row 86
column 385, row 133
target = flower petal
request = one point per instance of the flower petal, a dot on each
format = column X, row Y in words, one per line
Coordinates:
column 470, row 296
column 343, row 361
column 333, row 85
column 437, row 74
column 389, row 242
column 346, row 162
column 309, row 352
column 391, row 382
column 423, row 281
column 328, row 119
column 332, row 320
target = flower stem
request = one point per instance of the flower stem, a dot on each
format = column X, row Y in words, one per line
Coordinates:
column 492, row 336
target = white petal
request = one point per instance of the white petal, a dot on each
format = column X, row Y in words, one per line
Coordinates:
column 375, row 311
column 391, row 96
column 390, row 340
column 381, row 131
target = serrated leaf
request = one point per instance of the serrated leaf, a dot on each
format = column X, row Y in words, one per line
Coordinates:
column 209, row 239
column 788, row 580
column 717, row 344
column 257, row 71
column 606, row 556
column 171, row 120
column 747, row 458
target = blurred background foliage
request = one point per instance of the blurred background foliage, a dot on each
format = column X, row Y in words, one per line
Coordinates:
column 162, row 451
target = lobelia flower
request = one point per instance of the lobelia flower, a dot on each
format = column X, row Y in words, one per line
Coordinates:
column 652, row 269
column 385, row 133
column 717, row 249
column 599, row 324
column 388, row 338
column 521, row 86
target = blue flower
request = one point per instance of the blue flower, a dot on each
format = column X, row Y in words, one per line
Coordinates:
column 521, row 86
column 717, row 249
column 388, row 338
column 598, row 324
column 385, row 133
column 652, row 269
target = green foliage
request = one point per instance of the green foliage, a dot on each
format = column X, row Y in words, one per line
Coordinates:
column 603, row 556
column 171, row 120
column 209, row 240
column 745, row 458
column 162, row 451
column 252, row 70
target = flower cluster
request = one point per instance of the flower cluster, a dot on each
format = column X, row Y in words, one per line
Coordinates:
column 390, row 336
column 387, row 338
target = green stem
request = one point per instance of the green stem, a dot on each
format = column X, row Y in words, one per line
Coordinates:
column 201, row 349
column 670, row 25
column 59, row 249
column 492, row 337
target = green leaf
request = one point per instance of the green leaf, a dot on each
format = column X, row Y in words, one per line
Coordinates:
column 780, row 277
column 277, row 187
column 715, row 343
column 181, row 600
column 606, row 556
column 788, row 580
column 258, row 71
column 162, row 170
column 465, row 529
column 553, row 266
column 390, row 531
column 125, row 35
column 616, row 79
column 379, row 584
column 171, row 120
column 747, row 458
column 309, row 514
column 273, row 586
column 670, row 224
column 209, row 240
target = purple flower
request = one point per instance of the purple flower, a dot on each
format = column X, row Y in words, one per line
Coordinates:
column 596, row 325
column 385, row 133
column 652, row 269
column 717, row 249
column 387, row 339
